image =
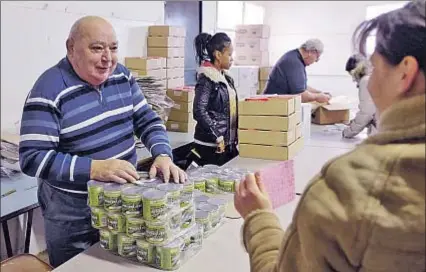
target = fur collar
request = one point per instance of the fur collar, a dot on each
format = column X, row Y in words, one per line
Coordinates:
column 401, row 122
column 213, row 74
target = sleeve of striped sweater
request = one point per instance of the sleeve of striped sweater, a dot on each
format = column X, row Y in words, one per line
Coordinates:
column 39, row 155
column 148, row 125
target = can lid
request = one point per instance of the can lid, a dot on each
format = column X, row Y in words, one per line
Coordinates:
column 175, row 243
column 95, row 183
column 129, row 191
column 201, row 215
column 201, row 198
column 154, row 194
column 217, row 201
column 150, row 184
column 208, row 207
column 169, row 187
column 112, row 187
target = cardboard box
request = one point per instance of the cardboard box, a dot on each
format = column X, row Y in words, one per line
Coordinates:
column 337, row 111
column 159, row 73
column 185, row 94
column 298, row 116
column 169, row 52
column 183, row 106
column 262, row 86
column 299, row 129
column 166, row 42
column 175, row 83
column 262, row 137
column 180, row 126
column 175, row 62
column 166, row 31
column 273, row 123
column 324, row 116
column 251, row 44
column 181, row 116
column 150, row 63
column 268, row 152
column 254, row 58
column 175, row 72
column 264, row 73
column 267, row 105
column 244, row 76
column 252, row 31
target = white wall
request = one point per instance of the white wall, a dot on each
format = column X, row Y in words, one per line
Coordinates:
column 209, row 16
column 293, row 22
column 33, row 38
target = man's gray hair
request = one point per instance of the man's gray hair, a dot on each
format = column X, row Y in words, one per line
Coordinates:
column 313, row 45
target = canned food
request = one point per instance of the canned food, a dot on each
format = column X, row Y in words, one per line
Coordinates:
column 108, row 240
column 95, row 191
column 112, row 197
column 99, row 217
column 173, row 191
column 154, row 204
column 116, row 222
column 131, row 199
column 221, row 203
column 135, row 226
column 203, row 219
column 200, row 185
column 126, row 246
column 188, row 217
column 168, row 257
column 157, row 232
column 213, row 211
column 144, row 251
column 187, row 194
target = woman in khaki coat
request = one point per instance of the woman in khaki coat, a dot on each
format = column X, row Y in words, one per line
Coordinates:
column 365, row 211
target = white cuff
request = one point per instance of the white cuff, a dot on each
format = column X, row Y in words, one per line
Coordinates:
column 220, row 139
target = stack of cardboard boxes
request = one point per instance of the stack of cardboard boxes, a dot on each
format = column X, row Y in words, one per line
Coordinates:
column 181, row 116
column 251, row 45
column 270, row 127
column 147, row 66
column 246, row 80
column 263, row 78
column 169, row 42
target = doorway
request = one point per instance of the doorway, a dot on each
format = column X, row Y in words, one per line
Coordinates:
column 187, row 14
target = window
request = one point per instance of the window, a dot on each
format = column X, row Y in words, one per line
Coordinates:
column 374, row 11
column 233, row 13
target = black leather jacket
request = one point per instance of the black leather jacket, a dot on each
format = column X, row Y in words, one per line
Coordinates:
column 211, row 107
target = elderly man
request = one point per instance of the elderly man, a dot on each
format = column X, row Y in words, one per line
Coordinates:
column 289, row 74
column 78, row 124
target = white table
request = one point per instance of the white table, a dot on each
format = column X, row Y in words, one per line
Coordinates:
column 226, row 243
column 177, row 139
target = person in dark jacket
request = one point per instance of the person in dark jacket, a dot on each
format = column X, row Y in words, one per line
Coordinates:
column 215, row 103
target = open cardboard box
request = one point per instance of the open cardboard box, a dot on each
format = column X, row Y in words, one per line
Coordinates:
column 336, row 111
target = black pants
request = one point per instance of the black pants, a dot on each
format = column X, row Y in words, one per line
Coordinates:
column 67, row 223
column 203, row 155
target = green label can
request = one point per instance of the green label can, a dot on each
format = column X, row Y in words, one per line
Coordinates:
column 188, row 217
column 212, row 185
column 99, row 217
column 144, row 252
column 187, row 194
column 200, row 185
column 227, row 185
column 131, row 199
column 157, row 232
column 169, row 257
column 135, row 226
column 154, row 204
column 213, row 211
column 221, row 203
column 95, row 191
column 202, row 218
column 112, row 197
column 126, row 246
column 108, row 240
column 116, row 222
column 173, row 193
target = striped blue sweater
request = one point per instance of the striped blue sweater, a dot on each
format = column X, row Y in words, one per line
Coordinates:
column 66, row 123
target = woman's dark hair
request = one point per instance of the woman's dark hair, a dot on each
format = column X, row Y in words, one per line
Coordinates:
column 400, row 33
column 351, row 63
column 206, row 44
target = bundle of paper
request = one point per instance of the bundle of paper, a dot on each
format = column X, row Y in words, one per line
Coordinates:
column 9, row 154
column 155, row 94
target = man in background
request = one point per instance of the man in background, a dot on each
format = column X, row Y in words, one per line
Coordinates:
column 78, row 124
column 288, row 76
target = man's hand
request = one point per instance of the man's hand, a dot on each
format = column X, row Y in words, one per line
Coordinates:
column 166, row 166
column 322, row 98
column 251, row 195
column 113, row 170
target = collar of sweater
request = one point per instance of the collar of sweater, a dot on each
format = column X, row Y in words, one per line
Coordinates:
column 402, row 122
column 213, row 73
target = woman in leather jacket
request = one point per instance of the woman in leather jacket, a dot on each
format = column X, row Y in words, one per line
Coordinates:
column 215, row 104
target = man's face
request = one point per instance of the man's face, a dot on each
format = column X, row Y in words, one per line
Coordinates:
column 313, row 56
column 93, row 53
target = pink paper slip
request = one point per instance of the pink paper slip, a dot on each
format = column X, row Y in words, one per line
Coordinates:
column 279, row 182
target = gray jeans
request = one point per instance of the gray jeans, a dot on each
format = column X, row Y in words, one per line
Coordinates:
column 67, row 223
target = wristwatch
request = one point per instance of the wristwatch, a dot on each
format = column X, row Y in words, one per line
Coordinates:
column 163, row 155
